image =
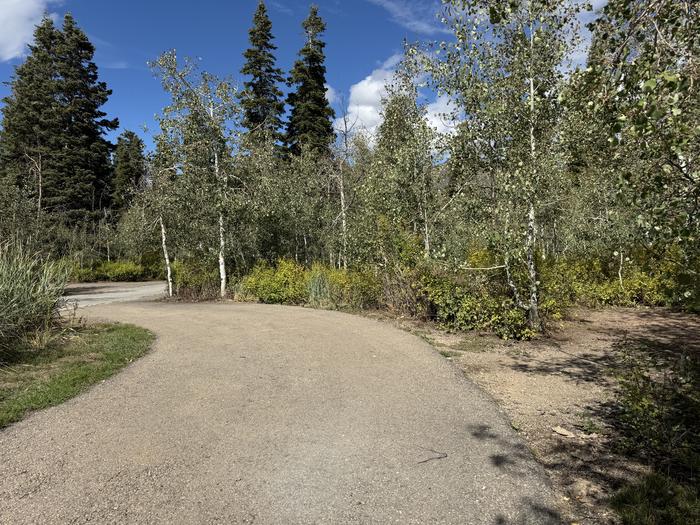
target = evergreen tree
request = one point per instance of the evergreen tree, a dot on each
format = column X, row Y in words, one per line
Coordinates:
column 30, row 125
column 84, row 161
column 52, row 142
column 310, row 123
column 129, row 169
column 262, row 99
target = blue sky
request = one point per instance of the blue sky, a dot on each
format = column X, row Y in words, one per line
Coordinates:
column 363, row 38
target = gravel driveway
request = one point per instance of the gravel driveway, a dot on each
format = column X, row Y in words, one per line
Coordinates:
column 249, row 413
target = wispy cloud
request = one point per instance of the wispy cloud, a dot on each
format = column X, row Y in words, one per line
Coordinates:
column 17, row 20
column 419, row 16
column 282, row 8
column 116, row 64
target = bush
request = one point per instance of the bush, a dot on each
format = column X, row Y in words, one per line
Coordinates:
column 589, row 283
column 357, row 289
column 335, row 288
column 118, row 271
column 30, row 293
column 320, row 288
column 658, row 500
column 478, row 305
column 122, row 271
column 195, row 280
column 284, row 284
column 658, row 408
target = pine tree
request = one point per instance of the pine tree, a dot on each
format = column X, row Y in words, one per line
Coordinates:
column 84, row 160
column 262, row 99
column 129, row 169
column 30, row 125
column 310, row 124
column 52, row 142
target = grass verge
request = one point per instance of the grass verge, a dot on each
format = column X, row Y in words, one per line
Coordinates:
column 32, row 379
column 658, row 500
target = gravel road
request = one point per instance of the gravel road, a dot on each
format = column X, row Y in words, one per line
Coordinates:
column 249, row 413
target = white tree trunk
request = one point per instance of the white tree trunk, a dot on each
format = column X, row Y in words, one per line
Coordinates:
column 222, row 251
column 222, row 231
column 533, row 306
column 168, row 269
column 426, row 234
column 343, row 222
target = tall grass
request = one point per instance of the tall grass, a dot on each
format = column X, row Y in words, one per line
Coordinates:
column 30, row 293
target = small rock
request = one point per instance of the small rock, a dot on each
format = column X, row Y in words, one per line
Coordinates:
column 583, row 490
column 563, row 432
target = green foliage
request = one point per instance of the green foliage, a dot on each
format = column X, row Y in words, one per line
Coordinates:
column 336, row 288
column 30, row 292
column 310, row 125
column 129, row 169
column 195, row 279
column 658, row 500
column 284, row 284
column 590, row 283
column 117, row 271
column 659, row 407
column 53, row 143
column 122, row 271
column 473, row 306
column 319, row 286
column 32, row 380
column 262, row 99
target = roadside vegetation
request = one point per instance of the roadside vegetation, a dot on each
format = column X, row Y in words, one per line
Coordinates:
column 46, row 359
column 33, row 378
column 560, row 175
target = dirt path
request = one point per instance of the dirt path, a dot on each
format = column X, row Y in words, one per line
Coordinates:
column 567, row 380
column 265, row 414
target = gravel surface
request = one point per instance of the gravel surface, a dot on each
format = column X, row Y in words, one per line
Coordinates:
column 90, row 294
column 249, row 413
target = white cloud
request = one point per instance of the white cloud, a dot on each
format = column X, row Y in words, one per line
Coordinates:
column 17, row 20
column 331, row 94
column 282, row 8
column 419, row 16
column 439, row 115
column 585, row 17
column 364, row 110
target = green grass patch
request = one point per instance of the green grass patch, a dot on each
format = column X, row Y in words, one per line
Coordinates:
column 32, row 379
column 658, row 500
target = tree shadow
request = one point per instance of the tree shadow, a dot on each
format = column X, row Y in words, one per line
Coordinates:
column 516, row 460
column 533, row 513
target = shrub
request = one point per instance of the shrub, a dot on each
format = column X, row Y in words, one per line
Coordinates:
column 478, row 305
column 657, row 500
column 284, row 284
column 357, row 289
column 195, row 280
column 320, row 288
column 658, row 408
column 118, row 271
column 589, row 283
column 121, row 271
column 335, row 288
column 30, row 293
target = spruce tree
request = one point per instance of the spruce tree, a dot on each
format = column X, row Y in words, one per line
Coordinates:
column 84, row 161
column 129, row 169
column 30, row 125
column 310, row 124
column 262, row 99
column 52, row 143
